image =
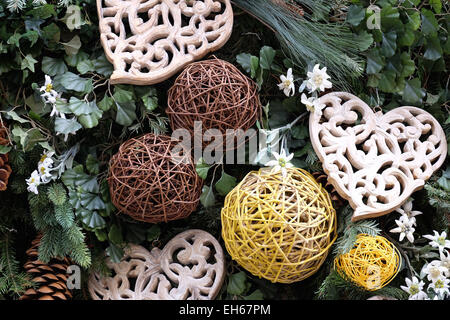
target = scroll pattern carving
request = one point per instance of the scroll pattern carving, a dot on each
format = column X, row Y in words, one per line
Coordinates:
column 190, row 267
column 150, row 40
column 374, row 160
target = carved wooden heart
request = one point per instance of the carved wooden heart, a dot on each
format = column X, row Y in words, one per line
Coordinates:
column 190, row 267
column 375, row 161
column 150, row 40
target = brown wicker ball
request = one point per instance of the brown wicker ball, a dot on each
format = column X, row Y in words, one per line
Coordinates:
column 150, row 184
column 216, row 93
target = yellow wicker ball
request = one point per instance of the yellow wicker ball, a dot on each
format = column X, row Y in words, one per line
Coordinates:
column 279, row 228
column 372, row 263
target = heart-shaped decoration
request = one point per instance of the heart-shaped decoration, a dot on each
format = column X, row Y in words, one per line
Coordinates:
column 149, row 41
column 190, row 267
column 374, row 160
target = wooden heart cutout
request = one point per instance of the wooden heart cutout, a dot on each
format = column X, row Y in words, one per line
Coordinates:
column 190, row 267
column 148, row 41
column 374, row 160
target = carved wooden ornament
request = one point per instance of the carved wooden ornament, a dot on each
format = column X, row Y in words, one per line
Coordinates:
column 190, row 267
column 148, row 41
column 374, row 160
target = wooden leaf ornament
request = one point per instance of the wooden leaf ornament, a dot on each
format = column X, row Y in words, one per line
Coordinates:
column 149, row 41
column 190, row 267
column 375, row 160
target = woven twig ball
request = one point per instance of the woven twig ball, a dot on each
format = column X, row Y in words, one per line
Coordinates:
column 149, row 183
column 217, row 94
column 372, row 263
column 279, row 228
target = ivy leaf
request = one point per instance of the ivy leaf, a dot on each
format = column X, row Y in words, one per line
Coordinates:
column 408, row 65
column 53, row 66
column 389, row 44
column 28, row 62
column 66, row 126
column 103, row 66
column 244, row 60
column 413, row 92
column 254, row 66
column 85, row 66
column 91, row 120
column 414, row 21
column 5, row 149
column 72, row 81
column 374, row 62
column 91, row 219
column 115, row 234
column 429, row 23
column 364, row 39
column 51, row 33
column 436, row 5
column 114, row 253
column 389, row 17
column 207, row 198
column 92, row 201
column 406, row 38
column 153, row 232
column 92, row 164
column 434, row 50
column 255, row 295
column 71, row 48
column 126, row 113
column 266, row 55
column 106, row 103
column 387, row 81
column 79, row 107
column 225, row 184
column 355, row 14
column 202, row 168
column 236, row 283
column 73, row 60
column 150, row 103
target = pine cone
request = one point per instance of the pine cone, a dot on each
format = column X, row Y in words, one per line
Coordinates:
column 322, row 178
column 5, row 168
column 51, row 278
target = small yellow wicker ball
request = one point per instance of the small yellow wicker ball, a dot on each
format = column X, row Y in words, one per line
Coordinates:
column 372, row 263
column 279, row 228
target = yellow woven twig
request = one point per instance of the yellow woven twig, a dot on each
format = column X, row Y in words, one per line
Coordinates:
column 279, row 228
column 371, row 264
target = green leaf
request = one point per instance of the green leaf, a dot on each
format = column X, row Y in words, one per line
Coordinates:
column 51, row 33
column 406, row 38
column 72, row 47
column 254, row 66
column 122, row 96
column 14, row 39
column 32, row 36
column 414, row 21
column 436, row 5
column 115, row 253
column 91, row 120
column 374, row 62
column 434, row 50
column 73, row 60
column 5, row 149
column 153, row 232
column 202, row 168
column 429, row 23
column 266, row 56
column 364, row 40
column 355, row 14
column 74, row 82
column 389, row 44
column 92, row 164
column 16, row 117
column 101, row 235
column 53, row 66
column 413, row 92
column 92, row 201
column 444, row 183
column 255, row 295
column 115, row 234
column 244, row 60
column 85, row 66
column 236, row 283
column 64, row 215
column 150, row 103
column 207, row 197
column 387, row 81
column 126, row 113
column 28, row 62
column 79, row 107
column 66, row 126
column 103, row 66
column 389, row 17
column 106, row 103
column 408, row 65
column 225, row 184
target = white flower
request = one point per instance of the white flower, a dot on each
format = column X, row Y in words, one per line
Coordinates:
column 445, row 262
column 438, row 240
column 44, row 172
column 46, row 158
column 49, row 95
column 440, row 286
column 406, row 210
column 434, row 270
column 313, row 104
column 317, row 79
column 33, row 182
column 55, row 111
column 287, row 83
column 405, row 228
column 415, row 289
column 281, row 162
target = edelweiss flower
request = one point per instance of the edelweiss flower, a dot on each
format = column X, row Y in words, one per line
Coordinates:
column 44, row 172
column 317, row 79
column 33, row 182
column 438, row 240
column 313, row 104
column 405, row 228
column 445, row 262
column 287, row 83
column 415, row 289
column 281, row 162
column 46, row 158
column 49, row 94
column 55, row 111
column 434, row 270
column 440, row 286
column 406, row 210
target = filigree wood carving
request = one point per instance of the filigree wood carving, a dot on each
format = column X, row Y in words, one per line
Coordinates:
column 374, row 160
column 149, row 41
column 190, row 267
